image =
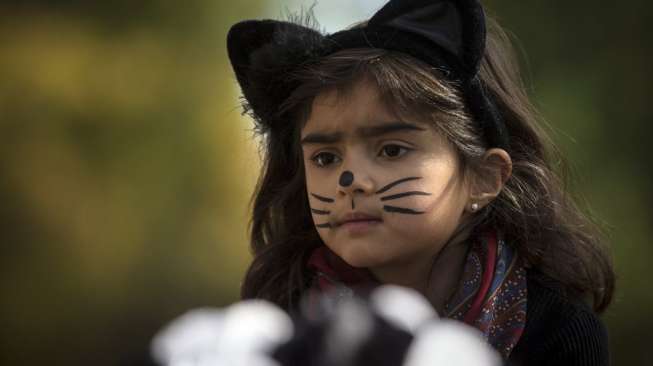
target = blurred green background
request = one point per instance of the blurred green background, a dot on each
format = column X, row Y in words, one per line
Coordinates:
column 126, row 167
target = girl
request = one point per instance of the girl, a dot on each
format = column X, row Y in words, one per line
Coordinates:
column 404, row 150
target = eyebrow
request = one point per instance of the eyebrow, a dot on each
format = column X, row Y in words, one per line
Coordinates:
column 366, row 132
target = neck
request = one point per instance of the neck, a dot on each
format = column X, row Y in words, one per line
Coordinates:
column 445, row 276
column 435, row 278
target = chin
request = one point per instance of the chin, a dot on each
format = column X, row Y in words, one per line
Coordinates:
column 358, row 259
column 356, row 262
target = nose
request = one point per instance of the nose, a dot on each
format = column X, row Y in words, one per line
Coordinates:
column 351, row 183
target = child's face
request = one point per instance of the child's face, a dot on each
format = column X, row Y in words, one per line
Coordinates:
column 401, row 178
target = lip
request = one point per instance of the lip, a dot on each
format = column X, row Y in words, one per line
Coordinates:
column 359, row 222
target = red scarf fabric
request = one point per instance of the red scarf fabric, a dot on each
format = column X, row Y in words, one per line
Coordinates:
column 491, row 295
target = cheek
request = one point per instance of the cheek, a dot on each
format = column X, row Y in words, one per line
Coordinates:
column 448, row 190
column 317, row 181
column 310, row 182
column 411, row 226
column 440, row 216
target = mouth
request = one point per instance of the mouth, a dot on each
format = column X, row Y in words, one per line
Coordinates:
column 359, row 222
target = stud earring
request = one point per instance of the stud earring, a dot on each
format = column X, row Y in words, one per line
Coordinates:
column 474, row 207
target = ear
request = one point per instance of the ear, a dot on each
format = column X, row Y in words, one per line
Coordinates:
column 488, row 183
column 262, row 53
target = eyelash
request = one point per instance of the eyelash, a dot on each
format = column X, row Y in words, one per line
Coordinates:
column 316, row 158
column 401, row 148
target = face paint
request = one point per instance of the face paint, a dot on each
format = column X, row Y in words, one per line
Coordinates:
column 322, row 212
column 405, row 194
column 401, row 210
column 346, row 178
column 323, row 199
column 390, row 185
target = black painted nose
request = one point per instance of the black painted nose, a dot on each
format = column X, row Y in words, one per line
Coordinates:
column 346, row 178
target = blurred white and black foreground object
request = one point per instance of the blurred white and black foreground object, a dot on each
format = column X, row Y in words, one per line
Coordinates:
column 391, row 326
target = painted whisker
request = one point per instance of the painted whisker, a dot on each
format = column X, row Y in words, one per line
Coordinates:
column 405, row 194
column 390, row 185
column 401, row 210
column 320, row 212
column 323, row 199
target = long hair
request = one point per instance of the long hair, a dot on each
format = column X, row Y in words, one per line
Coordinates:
column 533, row 211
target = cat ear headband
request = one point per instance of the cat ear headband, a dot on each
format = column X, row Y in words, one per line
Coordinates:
column 446, row 34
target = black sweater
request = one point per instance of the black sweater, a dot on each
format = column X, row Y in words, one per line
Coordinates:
column 559, row 331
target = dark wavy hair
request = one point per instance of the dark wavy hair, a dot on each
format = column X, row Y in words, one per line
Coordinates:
column 534, row 211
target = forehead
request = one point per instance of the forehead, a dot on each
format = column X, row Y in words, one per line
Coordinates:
column 350, row 109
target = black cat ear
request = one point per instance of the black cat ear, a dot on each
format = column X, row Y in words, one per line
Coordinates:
column 456, row 26
column 262, row 53
column 446, row 34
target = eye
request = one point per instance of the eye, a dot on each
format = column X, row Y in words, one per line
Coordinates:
column 324, row 159
column 393, row 151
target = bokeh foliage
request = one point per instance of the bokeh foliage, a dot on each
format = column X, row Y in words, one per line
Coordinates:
column 126, row 168
column 589, row 72
column 126, row 172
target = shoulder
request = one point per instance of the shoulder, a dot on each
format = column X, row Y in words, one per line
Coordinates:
column 559, row 330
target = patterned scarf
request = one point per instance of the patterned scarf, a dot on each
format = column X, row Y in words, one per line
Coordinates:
column 491, row 295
